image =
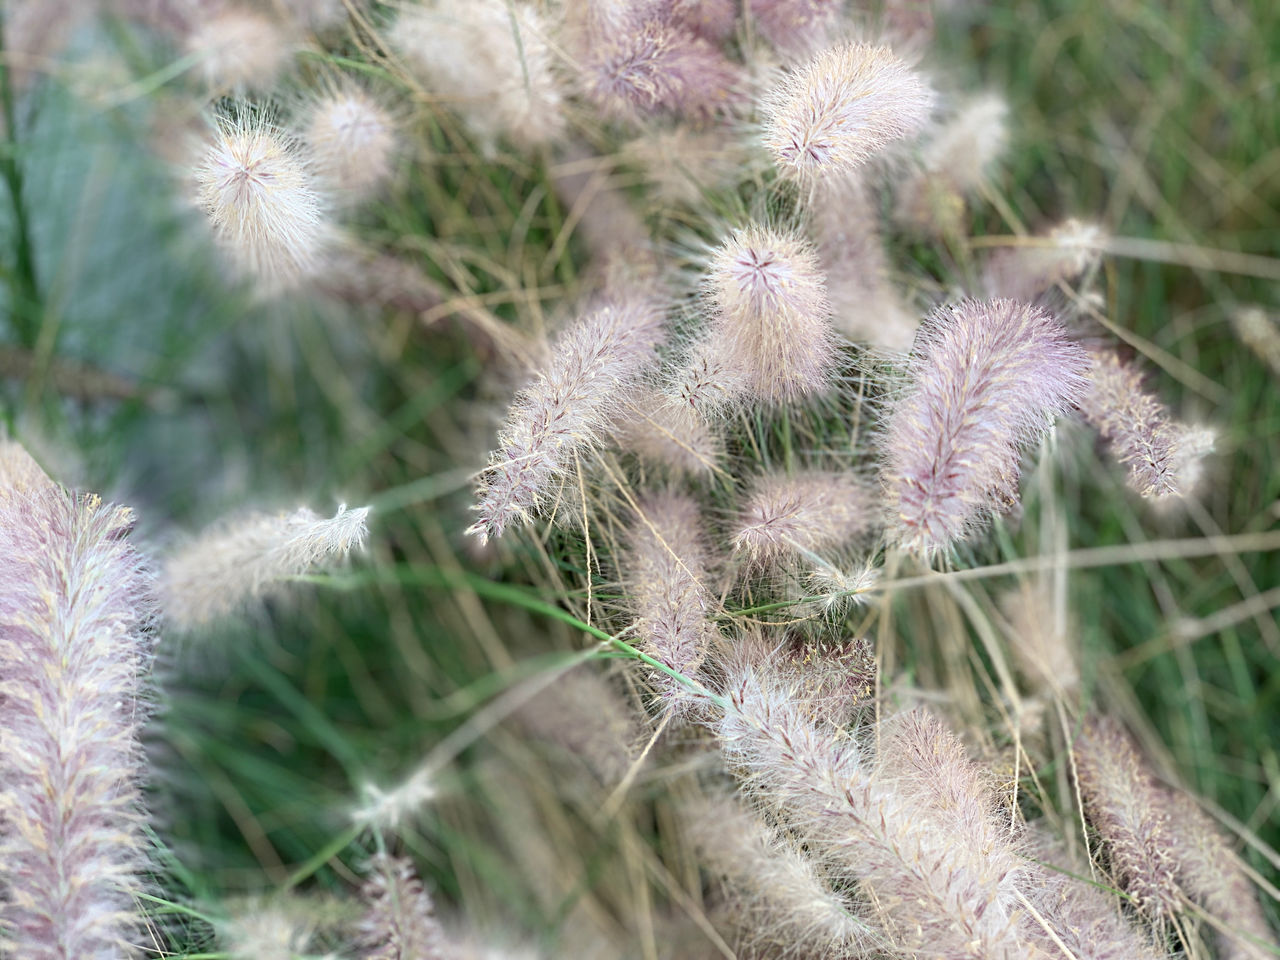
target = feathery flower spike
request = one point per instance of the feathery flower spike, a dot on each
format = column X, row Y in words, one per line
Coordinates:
column 399, row 921
column 238, row 48
column 847, row 104
column 1125, row 804
column 652, row 65
column 595, row 365
column 75, row 615
column 261, row 201
column 1162, row 455
column 986, row 381
column 352, row 141
column 800, row 515
column 492, row 60
column 665, row 571
column 236, row 562
column 770, row 332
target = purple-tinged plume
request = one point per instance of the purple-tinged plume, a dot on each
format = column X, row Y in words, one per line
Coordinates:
column 795, row 26
column 937, row 890
column 800, row 515
column 987, row 379
column 399, row 921
column 652, row 64
column 1124, row 803
column 1210, row 872
column 75, row 616
column 665, row 572
column 595, row 366
column 1138, row 427
column 777, row 893
column 770, row 333
column 846, row 105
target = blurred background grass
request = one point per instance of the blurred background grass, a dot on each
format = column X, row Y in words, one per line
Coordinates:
column 131, row 369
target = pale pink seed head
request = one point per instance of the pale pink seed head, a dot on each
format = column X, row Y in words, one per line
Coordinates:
column 986, row 380
column 844, row 106
column 795, row 26
column 262, row 203
column 656, row 66
column 795, row 517
column 771, row 318
column 239, row 49
column 352, row 140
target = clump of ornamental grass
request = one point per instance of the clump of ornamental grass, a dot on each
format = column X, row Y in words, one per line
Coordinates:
column 769, row 337
column 490, row 60
column 351, row 140
column 595, row 364
column 985, row 381
column 843, row 107
column 260, row 196
column 76, row 611
column 795, row 517
column 239, row 561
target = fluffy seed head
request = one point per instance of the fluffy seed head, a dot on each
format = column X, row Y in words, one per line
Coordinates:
column 653, row 65
column 491, row 60
column 1125, row 804
column 666, row 571
column 75, row 617
column 771, row 321
column 844, row 106
column 1135, row 423
column 239, row 49
column 259, row 196
column 798, row 516
column 352, row 141
column 777, row 893
column 987, row 380
column 795, row 26
column 595, row 367
column 237, row 562
column 399, row 921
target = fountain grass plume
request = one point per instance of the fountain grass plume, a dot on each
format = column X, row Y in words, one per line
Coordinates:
column 842, row 108
column 665, row 571
column 800, row 515
column 986, row 380
column 260, row 195
column 492, row 60
column 769, row 335
column 399, row 921
column 595, row 366
column 1124, row 804
column 652, row 64
column 1137, row 426
column 76, row 609
column 776, row 893
column 352, row 140
column 235, row 562
column 934, row 888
